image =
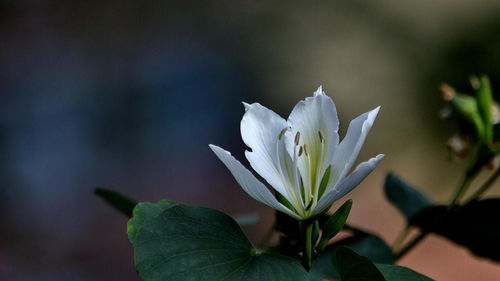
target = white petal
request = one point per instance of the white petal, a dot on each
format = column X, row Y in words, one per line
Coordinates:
column 310, row 117
column 348, row 150
column 319, row 91
column 260, row 128
column 248, row 182
column 348, row 183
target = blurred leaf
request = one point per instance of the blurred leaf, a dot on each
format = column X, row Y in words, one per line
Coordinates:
column 366, row 244
column 400, row 273
column 370, row 246
column 180, row 242
column 485, row 102
column 246, row 219
column 335, row 223
column 120, row 202
column 474, row 225
column 353, row 267
column 408, row 199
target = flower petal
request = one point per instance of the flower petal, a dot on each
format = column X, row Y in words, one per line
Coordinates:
column 348, row 183
column 260, row 128
column 348, row 149
column 316, row 120
column 248, row 182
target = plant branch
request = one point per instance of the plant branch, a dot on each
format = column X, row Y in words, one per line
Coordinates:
column 486, row 185
column 459, row 192
column 410, row 245
column 401, row 237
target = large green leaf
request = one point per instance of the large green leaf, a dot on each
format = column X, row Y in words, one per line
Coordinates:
column 400, row 273
column 353, row 267
column 185, row 243
column 364, row 243
column 408, row 199
column 474, row 225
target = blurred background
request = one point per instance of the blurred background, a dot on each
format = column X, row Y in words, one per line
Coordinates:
column 126, row 95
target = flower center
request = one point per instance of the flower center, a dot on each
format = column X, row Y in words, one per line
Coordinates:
column 302, row 171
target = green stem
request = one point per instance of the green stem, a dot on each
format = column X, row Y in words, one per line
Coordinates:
column 459, row 192
column 468, row 177
column 401, row 237
column 410, row 245
column 486, row 185
column 308, row 246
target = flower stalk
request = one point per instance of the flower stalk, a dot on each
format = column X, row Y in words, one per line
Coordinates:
column 308, row 246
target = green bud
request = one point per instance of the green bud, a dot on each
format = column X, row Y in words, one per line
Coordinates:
column 467, row 107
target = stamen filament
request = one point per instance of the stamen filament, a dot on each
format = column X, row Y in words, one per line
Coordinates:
column 291, row 193
column 296, row 173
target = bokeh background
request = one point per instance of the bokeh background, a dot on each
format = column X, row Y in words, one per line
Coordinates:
column 127, row 94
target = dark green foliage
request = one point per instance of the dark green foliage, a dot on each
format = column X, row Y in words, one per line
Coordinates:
column 474, row 225
column 408, row 199
column 400, row 273
column 179, row 242
column 369, row 245
column 364, row 243
column 353, row 267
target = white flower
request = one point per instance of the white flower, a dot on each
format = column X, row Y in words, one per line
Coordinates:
column 301, row 158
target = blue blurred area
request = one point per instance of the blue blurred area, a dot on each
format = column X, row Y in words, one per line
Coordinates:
column 127, row 95
column 80, row 109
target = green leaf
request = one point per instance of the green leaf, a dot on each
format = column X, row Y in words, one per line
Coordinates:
column 400, row 273
column 485, row 103
column 353, row 267
column 120, row 202
column 364, row 243
column 335, row 223
column 408, row 199
column 370, row 246
column 180, row 242
column 474, row 225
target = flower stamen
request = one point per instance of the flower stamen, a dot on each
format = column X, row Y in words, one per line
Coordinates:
column 321, row 136
column 282, row 133
column 292, row 195
column 297, row 138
